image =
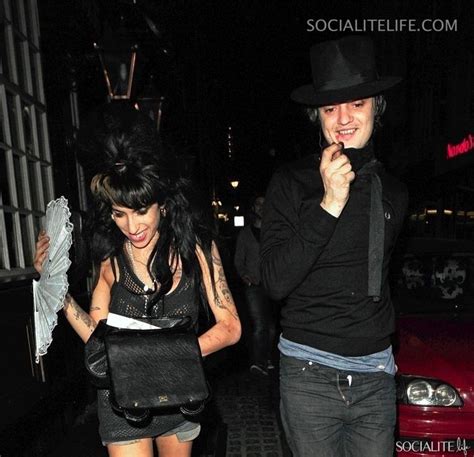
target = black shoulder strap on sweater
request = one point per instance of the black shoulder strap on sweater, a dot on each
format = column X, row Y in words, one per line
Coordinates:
column 376, row 229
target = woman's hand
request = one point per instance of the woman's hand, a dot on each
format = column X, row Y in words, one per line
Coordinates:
column 41, row 252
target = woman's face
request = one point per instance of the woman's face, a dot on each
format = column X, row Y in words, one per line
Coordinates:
column 139, row 226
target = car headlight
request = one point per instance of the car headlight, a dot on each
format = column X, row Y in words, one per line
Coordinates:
column 426, row 392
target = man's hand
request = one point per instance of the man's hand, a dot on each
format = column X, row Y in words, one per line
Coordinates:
column 42, row 246
column 336, row 172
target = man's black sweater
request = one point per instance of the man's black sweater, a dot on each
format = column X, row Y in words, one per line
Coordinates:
column 318, row 264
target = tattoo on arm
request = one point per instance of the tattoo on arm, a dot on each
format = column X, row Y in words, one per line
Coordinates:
column 223, row 288
column 95, row 308
column 216, row 260
column 79, row 313
column 221, row 305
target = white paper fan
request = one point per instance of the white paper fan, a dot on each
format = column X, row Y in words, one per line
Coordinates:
column 49, row 291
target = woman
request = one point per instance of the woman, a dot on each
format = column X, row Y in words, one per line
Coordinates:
column 153, row 252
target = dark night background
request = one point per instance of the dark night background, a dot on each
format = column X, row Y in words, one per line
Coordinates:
column 235, row 65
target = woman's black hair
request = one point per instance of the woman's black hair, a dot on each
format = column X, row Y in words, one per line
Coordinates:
column 95, row 143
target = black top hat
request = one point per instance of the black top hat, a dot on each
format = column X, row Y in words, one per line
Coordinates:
column 342, row 70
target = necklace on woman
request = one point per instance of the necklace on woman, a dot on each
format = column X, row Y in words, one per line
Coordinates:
column 156, row 283
column 132, row 256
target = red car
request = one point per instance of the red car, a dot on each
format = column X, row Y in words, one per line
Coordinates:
column 434, row 353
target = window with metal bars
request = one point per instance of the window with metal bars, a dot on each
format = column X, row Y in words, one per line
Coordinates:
column 26, row 183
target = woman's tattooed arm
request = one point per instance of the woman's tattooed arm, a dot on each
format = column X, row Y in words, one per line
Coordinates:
column 85, row 323
column 81, row 321
column 227, row 329
column 222, row 287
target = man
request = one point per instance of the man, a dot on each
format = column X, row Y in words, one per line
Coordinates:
column 259, row 307
column 329, row 227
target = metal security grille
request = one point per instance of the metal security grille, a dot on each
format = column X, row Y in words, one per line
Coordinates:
column 25, row 161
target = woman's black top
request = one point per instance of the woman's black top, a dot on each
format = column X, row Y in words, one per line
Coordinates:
column 128, row 299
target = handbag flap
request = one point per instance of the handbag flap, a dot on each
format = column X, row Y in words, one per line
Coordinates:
column 155, row 368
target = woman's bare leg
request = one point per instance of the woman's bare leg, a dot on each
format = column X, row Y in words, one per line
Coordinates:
column 170, row 446
column 136, row 448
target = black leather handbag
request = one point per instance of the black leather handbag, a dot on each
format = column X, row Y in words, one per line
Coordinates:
column 149, row 369
column 95, row 358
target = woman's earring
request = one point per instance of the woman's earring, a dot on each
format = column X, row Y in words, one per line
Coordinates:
column 163, row 211
column 113, row 217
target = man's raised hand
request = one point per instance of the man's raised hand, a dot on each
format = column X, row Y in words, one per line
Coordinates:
column 337, row 175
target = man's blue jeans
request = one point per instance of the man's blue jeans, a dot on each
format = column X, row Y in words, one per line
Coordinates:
column 324, row 416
